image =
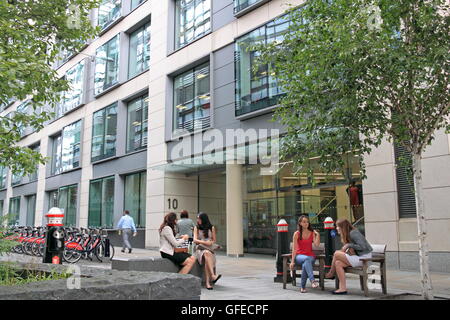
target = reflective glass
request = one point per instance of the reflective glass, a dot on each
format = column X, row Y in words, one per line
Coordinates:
column 139, row 51
column 108, row 12
column 193, row 20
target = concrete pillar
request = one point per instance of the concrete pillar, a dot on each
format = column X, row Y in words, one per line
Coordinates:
column 235, row 236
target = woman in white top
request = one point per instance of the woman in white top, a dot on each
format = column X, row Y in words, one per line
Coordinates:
column 168, row 242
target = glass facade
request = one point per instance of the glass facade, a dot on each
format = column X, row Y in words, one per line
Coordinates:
column 16, row 178
column 107, row 65
column 104, row 133
column 65, row 198
column 139, row 59
column 14, row 211
column 135, row 193
column 108, row 12
column 66, row 149
column 192, row 100
column 240, row 5
column 257, row 89
column 192, row 20
column 31, row 210
column 25, row 109
column 137, row 125
column 101, row 203
column 3, row 176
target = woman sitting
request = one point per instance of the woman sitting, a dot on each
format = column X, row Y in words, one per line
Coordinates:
column 302, row 252
column 355, row 247
column 168, row 242
column 204, row 237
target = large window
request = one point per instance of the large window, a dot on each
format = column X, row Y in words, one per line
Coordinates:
column 108, row 12
column 107, row 65
column 193, row 20
column 31, row 209
column 101, row 203
column 136, row 3
column 240, row 5
column 137, row 125
column 3, row 175
column 73, row 97
column 104, row 133
column 192, row 100
column 257, row 89
column 14, row 211
column 65, row 198
column 135, row 193
column 66, row 149
column 139, row 51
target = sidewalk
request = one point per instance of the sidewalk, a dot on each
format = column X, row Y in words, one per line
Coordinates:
column 251, row 278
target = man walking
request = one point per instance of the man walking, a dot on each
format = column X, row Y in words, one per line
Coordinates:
column 185, row 225
column 126, row 225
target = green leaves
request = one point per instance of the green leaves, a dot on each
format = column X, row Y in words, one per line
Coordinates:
column 32, row 36
column 345, row 77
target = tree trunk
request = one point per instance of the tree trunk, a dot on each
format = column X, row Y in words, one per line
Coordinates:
column 427, row 289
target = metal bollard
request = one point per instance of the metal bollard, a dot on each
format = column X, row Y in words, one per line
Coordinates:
column 330, row 234
column 282, row 248
column 54, row 239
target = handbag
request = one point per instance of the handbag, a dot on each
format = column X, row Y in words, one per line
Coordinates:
column 180, row 250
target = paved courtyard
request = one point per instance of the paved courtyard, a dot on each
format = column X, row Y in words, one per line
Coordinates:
column 251, row 278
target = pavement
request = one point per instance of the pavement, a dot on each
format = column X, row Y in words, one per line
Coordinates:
column 252, row 278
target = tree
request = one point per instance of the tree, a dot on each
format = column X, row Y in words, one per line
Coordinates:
column 32, row 35
column 358, row 72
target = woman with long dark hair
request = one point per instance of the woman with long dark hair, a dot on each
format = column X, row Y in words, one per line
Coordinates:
column 168, row 242
column 204, row 237
column 355, row 247
column 302, row 251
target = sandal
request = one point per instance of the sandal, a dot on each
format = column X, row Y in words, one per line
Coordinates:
column 303, row 290
column 314, row 284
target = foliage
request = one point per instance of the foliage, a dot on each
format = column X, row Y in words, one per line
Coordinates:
column 32, row 35
column 353, row 80
column 5, row 245
column 10, row 275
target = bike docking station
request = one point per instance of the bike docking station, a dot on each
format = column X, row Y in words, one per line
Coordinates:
column 282, row 248
column 54, row 239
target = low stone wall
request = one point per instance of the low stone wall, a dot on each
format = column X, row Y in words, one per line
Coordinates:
column 155, row 264
column 105, row 285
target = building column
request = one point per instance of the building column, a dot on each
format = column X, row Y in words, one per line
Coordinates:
column 235, row 233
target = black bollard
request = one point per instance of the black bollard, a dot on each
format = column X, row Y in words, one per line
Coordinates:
column 282, row 248
column 54, row 238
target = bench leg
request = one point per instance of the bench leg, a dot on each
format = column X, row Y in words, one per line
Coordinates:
column 322, row 274
column 294, row 278
column 285, row 267
column 361, row 282
column 366, row 289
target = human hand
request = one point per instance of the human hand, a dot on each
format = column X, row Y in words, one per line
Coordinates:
column 291, row 266
column 185, row 237
column 345, row 247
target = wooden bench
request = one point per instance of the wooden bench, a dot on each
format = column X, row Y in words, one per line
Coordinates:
column 378, row 256
column 319, row 265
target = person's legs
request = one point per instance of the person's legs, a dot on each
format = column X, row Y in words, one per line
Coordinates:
column 300, row 260
column 338, row 256
column 341, row 275
column 208, row 268
column 125, row 237
column 187, row 265
column 308, row 270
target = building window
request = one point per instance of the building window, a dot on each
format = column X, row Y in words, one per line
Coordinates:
column 65, row 198
column 135, row 193
column 139, row 60
column 101, row 203
column 405, row 182
column 3, row 175
column 257, row 89
column 31, row 210
column 137, row 125
column 14, row 211
column 34, row 176
column 1, row 207
column 16, row 178
column 66, row 149
column 73, row 97
column 193, row 20
column 192, row 100
column 240, row 5
column 104, row 133
column 108, row 12
column 107, row 65
column 136, row 3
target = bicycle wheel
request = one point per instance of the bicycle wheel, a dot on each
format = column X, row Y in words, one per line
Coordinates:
column 72, row 255
column 100, row 251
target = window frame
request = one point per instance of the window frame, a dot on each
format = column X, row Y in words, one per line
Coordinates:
column 103, row 154
column 146, row 28
column 55, row 170
column 106, row 47
column 143, row 133
column 110, row 21
column 102, row 180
